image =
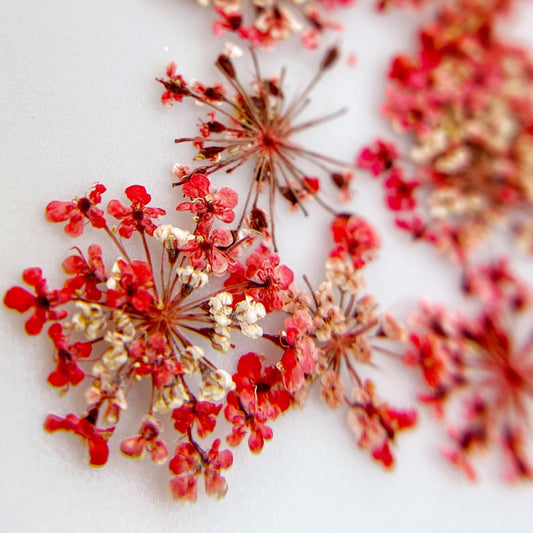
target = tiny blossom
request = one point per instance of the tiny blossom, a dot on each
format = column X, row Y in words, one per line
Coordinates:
column 257, row 127
column 189, row 462
column 85, row 428
column 148, row 439
column 43, row 302
column 137, row 217
column 78, row 212
column 354, row 238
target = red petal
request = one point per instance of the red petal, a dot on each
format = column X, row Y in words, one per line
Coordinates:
column 19, row 299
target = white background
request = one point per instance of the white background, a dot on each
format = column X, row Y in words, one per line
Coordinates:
column 78, row 105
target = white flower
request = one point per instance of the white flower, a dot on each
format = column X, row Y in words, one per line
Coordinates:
column 91, row 320
column 220, row 308
column 248, row 312
column 171, row 237
column 215, row 386
column 171, row 398
column 190, row 276
column 117, row 354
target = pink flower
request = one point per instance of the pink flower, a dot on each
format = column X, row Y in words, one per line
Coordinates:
column 148, row 439
column 89, row 273
column 377, row 159
column 189, row 463
column 355, row 238
column 203, row 414
column 132, row 283
column 208, row 249
column 175, row 86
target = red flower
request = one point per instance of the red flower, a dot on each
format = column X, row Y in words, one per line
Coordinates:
column 298, row 360
column 400, row 192
column 244, row 412
column 189, row 463
column 268, row 280
column 377, row 159
column 88, row 273
column 208, row 250
column 175, row 86
column 77, row 211
column 67, row 371
column 137, row 217
column 152, row 359
column 208, row 203
column 43, row 302
column 148, row 439
column 132, row 283
column 264, row 383
column 375, row 423
column 203, row 413
column 355, row 238
column 86, row 428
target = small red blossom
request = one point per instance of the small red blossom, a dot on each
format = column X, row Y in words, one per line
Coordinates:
column 189, row 463
column 208, row 250
column 78, row 211
column 376, row 424
column 378, row 158
column 43, row 302
column 208, row 203
column 265, row 383
column 148, row 439
column 67, row 371
column 137, row 217
column 153, row 359
column 88, row 273
column 355, row 238
column 175, row 86
column 268, row 281
column 85, row 428
column 203, row 414
column 399, row 192
column 245, row 413
column 131, row 283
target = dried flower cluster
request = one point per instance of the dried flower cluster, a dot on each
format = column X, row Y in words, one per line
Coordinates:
column 465, row 100
column 484, row 362
column 331, row 336
column 264, row 23
column 148, row 319
column 169, row 306
column 256, row 126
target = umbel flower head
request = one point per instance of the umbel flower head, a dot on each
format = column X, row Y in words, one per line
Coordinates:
column 483, row 365
column 264, row 23
column 332, row 334
column 150, row 315
column 254, row 126
column 465, row 99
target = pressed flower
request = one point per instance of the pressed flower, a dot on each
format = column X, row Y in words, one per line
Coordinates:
column 464, row 100
column 330, row 338
column 265, row 24
column 141, row 317
column 254, row 126
column 481, row 363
